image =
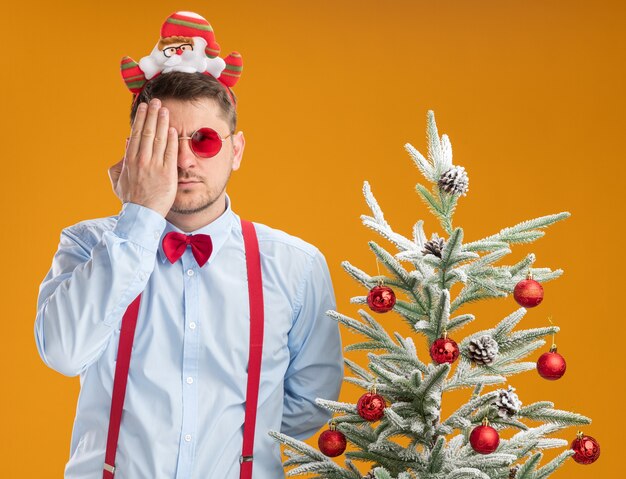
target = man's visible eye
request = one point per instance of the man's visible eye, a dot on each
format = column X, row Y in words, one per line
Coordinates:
column 186, row 47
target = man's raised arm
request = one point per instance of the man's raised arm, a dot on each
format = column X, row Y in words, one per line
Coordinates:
column 95, row 275
column 91, row 283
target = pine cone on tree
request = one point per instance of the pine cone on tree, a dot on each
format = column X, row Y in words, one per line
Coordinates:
column 483, row 350
column 434, row 246
column 454, row 181
column 513, row 472
column 508, row 403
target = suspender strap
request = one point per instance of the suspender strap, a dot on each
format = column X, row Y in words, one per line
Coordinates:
column 255, row 294
column 127, row 336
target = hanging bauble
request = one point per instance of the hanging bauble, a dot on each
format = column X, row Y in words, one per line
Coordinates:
column 551, row 365
column 586, row 449
column 371, row 406
column 331, row 442
column 444, row 350
column 381, row 299
column 528, row 293
column 484, row 439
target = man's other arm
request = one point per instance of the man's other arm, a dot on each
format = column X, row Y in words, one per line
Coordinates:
column 84, row 295
column 316, row 365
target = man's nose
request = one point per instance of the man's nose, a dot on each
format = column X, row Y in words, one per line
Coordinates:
column 179, row 51
column 186, row 156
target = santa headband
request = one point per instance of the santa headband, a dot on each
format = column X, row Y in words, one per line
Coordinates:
column 187, row 44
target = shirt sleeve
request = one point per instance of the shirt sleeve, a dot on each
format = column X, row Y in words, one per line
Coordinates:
column 89, row 286
column 316, row 359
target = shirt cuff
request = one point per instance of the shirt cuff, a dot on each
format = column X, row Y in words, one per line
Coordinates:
column 141, row 225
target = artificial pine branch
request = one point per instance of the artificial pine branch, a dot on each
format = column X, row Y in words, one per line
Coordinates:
column 553, row 465
column 511, row 235
column 467, row 473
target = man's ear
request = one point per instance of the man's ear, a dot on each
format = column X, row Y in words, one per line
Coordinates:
column 239, row 143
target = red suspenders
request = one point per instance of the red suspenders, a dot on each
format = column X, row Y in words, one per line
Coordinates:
column 129, row 321
column 127, row 335
column 255, row 295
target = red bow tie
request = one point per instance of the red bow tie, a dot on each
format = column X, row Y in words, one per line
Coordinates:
column 174, row 245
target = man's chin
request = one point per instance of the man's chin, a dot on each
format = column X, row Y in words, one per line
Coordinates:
column 186, row 207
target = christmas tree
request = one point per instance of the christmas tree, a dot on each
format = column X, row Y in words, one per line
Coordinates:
column 396, row 426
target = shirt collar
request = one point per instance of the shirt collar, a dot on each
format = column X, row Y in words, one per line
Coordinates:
column 218, row 229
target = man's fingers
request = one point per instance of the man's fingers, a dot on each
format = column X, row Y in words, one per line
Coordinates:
column 170, row 158
column 160, row 139
column 149, row 130
column 132, row 146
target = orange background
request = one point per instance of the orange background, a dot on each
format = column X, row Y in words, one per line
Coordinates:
column 531, row 94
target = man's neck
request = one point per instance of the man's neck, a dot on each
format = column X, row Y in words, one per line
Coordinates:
column 189, row 223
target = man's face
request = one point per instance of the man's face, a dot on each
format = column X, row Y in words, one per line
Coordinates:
column 202, row 181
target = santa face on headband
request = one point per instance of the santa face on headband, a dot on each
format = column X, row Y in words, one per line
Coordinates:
column 181, row 54
column 186, row 44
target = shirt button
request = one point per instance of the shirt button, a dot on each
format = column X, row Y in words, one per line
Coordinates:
column 188, row 437
column 192, row 325
column 157, row 235
column 190, row 272
column 189, row 380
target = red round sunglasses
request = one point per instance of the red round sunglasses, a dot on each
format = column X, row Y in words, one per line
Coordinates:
column 205, row 142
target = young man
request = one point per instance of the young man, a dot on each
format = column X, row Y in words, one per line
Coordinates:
column 185, row 400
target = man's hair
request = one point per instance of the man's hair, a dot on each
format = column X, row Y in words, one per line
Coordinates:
column 188, row 87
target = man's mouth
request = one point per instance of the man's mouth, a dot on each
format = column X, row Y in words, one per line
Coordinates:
column 188, row 182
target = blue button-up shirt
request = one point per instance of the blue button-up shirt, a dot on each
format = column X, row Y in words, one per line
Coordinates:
column 185, row 400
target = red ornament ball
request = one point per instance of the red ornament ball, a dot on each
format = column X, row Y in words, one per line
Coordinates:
column 551, row 365
column 586, row 449
column 484, row 439
column 332, row 443
column 444, row 350
column 528, row 293
column 381, row 299
column 371, row 406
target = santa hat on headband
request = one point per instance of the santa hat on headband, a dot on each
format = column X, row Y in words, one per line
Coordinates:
column 189, row 24
column 187, row 44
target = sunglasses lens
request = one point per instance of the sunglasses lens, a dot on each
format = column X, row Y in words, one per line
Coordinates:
column 206, row 142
